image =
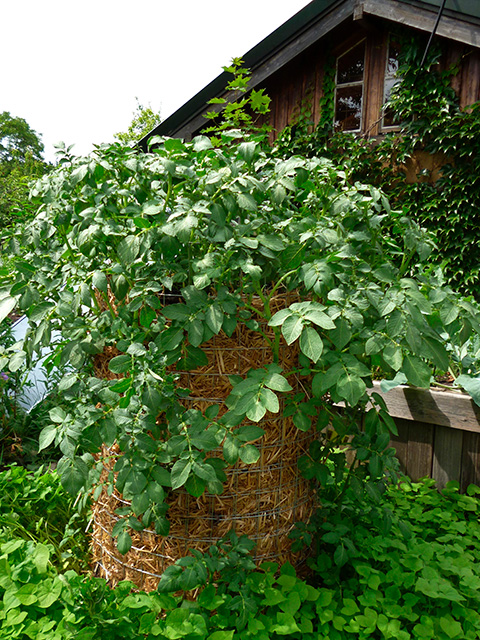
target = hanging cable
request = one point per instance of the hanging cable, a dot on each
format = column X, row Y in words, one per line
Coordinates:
column 442, row 7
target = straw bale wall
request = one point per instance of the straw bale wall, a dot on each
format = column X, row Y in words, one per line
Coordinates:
column 262, row 500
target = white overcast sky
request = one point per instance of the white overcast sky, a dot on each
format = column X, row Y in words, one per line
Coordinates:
column 73, row 68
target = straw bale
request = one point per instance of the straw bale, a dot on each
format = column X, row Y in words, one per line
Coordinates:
column 261, row 500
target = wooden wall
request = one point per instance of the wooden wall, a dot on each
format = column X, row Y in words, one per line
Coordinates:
column 302, row 79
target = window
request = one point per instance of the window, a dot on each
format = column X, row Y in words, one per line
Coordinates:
column 391, row 80
column 349, row 89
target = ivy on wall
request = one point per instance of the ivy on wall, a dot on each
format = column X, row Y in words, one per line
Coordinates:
column 428, row 168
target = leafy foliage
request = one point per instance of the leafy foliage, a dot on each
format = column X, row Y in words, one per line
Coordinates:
column 20, row 429
column 144, row 120
column 445, row 198
column 240, row 110
column 21, row 162
column 404, row 566
column 151, row 255
column 18, row 141
column 34, row 506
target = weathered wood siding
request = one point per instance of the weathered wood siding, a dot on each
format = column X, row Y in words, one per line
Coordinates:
column 301, row 81
column 438, row 434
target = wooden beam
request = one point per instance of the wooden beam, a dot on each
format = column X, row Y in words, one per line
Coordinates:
column 424, row 19
column 446, row 408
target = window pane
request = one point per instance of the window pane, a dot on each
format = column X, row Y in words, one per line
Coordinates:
column 350, row 66
column 348, row 108
column 392, row 61
column 390, row 81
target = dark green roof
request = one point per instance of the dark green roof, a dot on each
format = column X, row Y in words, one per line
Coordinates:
column 465, row 7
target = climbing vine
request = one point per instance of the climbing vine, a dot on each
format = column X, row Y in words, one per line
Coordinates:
column 445, row 199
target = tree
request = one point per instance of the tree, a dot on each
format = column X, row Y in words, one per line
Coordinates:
column 144, row 120
column 21, row 161
column 18, row 141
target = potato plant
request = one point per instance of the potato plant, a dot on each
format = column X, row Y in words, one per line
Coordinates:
column 216, row 228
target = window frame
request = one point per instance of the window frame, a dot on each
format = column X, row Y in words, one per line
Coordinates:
column 387, row 128
column 357, row 83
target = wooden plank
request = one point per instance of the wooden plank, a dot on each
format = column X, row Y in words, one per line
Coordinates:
column 469, row 90
column 454, row 56
column 445, row 408
column 420, row 450
column 374, row 82
column 319, row 78
column 423, row 19
column 447, row 455
column 470, row 460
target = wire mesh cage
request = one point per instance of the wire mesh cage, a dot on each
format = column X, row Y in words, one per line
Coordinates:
column 263, row 500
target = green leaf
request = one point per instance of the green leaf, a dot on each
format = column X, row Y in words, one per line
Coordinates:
column 418, row 372
column 119, row 286
column 323, row 381
column 285, row 624
column 271, row 242
column 121, row 385
column 311, row 344
column 136, row 349
column 221, row 635
column 451, row 627
column 176, row 311
column 393, row 356
column 195, row 486
column 247, row 202
column 386, row 385
column 340, row 557
column 249, row 454
column 437, row 353
column 152, row 399
column 57, row 414
column 269, row 400
column 195, row 332
column 214, row 318
column 40, row 311
column 256, row 411
column 147, row 316
column 231, row 450
column 99, row 280
column 341, row 335
column 180, row 472
column 124, row 542
column 128, row 249
column 120, row 364
column 47, row 436
column 351, row 388
column 73, row 475
column 292, row 328
column 7, row 305
column 320, row 319
column 248, row 433
column 277, row 382
column 279, row 318
column 41, row 556
column 471, row 386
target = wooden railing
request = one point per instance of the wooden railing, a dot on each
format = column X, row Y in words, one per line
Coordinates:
column 438, row 434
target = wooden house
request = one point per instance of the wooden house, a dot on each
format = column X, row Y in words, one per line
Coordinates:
column 357, row 39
